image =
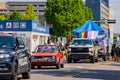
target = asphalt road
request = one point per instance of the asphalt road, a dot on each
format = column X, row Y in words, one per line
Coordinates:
column 79, row 71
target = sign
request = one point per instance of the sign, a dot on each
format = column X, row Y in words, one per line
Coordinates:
column 23, row 25
column 8, row 25
column 40, row 29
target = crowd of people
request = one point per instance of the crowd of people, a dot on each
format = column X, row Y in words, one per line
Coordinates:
column 115, row 52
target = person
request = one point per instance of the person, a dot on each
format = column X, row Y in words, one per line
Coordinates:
column 112, row 51
column 104, row 47
column 50, row 42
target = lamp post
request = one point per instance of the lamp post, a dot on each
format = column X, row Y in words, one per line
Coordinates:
column 109, row 22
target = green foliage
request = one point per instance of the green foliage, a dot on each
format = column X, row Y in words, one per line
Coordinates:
column 30, row 14
column 4, row 17
column 15, row 15
column 66, row 15
column 114, row 39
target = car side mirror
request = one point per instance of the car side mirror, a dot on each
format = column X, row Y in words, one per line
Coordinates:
column 33, row 51
column 15, row 47
column 21, row 46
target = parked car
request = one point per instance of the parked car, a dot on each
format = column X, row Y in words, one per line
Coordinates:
column 15, row 58
column 47, row 55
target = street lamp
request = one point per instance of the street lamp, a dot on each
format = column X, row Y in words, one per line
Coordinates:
column 109, row 22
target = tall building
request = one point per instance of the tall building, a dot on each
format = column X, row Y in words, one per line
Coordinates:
column 39, row 7
column 3, row 8
column 111, row 26
column 100, row 9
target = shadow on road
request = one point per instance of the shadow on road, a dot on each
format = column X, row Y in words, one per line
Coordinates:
column 82, row 73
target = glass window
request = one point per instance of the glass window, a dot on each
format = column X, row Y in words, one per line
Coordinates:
column 82, row 42
column 20, row 41
column 49, row 49
column 6, row 43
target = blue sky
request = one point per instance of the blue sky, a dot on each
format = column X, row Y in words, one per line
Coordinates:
column 115, row 4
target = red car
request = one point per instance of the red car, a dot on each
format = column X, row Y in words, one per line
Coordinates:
column 47, row 55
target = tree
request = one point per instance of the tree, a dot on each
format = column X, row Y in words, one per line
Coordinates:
column 30, row 14
column 4, row 17
column 66, row 15
column 15, row 15
column 114, row 39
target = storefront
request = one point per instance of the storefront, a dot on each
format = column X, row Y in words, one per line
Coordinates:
column 31, row 31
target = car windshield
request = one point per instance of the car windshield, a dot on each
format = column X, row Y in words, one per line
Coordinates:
column 81, row 42
column 6, row 42
column 49, row 49
column 38, row 49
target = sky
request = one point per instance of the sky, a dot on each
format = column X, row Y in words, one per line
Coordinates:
column 115, row 5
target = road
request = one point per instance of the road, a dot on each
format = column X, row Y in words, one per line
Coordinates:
column 79, row 71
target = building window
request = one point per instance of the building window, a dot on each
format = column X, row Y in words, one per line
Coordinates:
column 35, row 5
column 41, row 10
column 35, row 10
column 41, row 5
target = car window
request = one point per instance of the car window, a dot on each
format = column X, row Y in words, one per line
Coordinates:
column 6, row 43
column 20, row 42
column 38, row 49
column 49, row 49
column 82, row 42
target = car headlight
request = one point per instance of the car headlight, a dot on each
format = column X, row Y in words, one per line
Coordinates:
column 90, row 49
column 53, row 57
column 5, row 55
column 69, row 49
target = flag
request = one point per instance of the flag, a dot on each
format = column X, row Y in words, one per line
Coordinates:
column 83, row 34
column 92, row 34
column 109, row 39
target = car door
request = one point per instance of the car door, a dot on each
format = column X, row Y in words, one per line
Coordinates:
column 22, row 56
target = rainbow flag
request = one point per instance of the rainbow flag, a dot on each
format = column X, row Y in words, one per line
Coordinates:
column 83, row 34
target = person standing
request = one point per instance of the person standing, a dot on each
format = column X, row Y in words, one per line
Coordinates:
column 112, row 51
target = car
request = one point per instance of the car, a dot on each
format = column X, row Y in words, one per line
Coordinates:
column 15, row 58
column 47, row 55
column 82, row 48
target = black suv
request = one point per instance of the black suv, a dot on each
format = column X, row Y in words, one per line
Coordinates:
column 15, row 58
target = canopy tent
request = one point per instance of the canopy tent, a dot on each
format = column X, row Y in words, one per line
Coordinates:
column 89, row 26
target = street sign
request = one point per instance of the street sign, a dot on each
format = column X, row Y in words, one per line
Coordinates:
column 111, row 21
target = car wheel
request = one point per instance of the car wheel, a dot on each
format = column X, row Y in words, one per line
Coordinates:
column 92, row 59
column 26, row 75
column 62, row 65
column 32, row 67
column 75, row 61
column 14, row 75
column 69, row 60
column 58, row 65
column 96, row 60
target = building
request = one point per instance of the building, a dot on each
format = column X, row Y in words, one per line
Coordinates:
column 39, row 7
column 3, row 8
column 32, row 33
column 111, row 26
column 100, row 9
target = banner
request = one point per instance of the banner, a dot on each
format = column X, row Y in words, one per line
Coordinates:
column 92, row 34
